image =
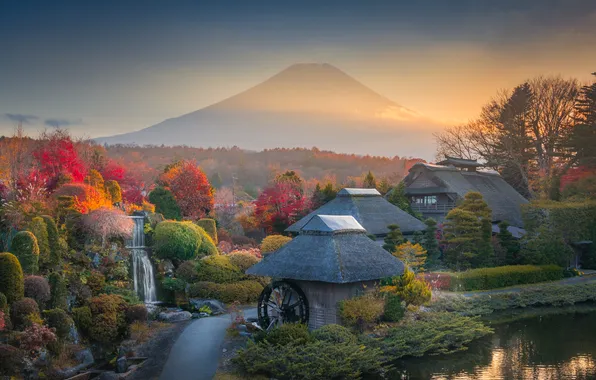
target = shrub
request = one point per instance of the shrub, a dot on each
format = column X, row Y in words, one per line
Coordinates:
column 165, row 203
column 96, row 282
column 432, row 334
column 38, row 288
column 242, row 260
column 314, row 360
column 38, row 228
column 11, row 360
column 243, row 241
column 288, row 333
column 108, row 318
column 11, row 277
column 82, row 318
column 242, row 291
column 53, row 241
column 36, row 337
column 129, row 295
column 218, row 269
column 362, row 311
column 25, row 248
column 173, row 284
column 136, row 313
column 59, row 320
column 207, row 248
column 21, row 310
column 500, row 277
column 177, row 240
column 187, row 271
column 335, row 334
column 58, row 292
column 273, row 242
column 394, row 310
column 210, row 228
column 113, row 191
column 409, row 288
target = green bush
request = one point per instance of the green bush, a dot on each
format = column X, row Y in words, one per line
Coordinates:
column 177, row 240
column 313, row 360
column 218, row 269
column 82, row 318
column 38, row 228
column 394, row 309
column 187, row 271
column 3, row 302
column 273, row 243
column 11, row 277
column 165, row 203
column 25, row 248
column 173, row 284
column 137, row 313
column 288, row 333
column 114, row 191
column 431, row 334
column 207, row 247
column 11, row 361
column 96, row 281
column 108, row 318
column 210, row 228
column 21, row 310
column 242, row 291
column 56, row 249
column 60, row 320
column 58, row 292
column 500, row 277
column 335, row 334
column 38, row 288
column 129, row 295
column 242, row 260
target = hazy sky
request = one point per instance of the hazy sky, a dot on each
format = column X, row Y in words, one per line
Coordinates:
column 117, row 66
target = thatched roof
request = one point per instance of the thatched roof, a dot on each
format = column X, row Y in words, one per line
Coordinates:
column 503, row 199
column 331, row 249
column 370, row 210
column 459, row 162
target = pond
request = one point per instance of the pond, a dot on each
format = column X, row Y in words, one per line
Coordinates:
column 545, row 345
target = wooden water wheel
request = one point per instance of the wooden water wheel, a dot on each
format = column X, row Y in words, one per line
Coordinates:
column 282, row 302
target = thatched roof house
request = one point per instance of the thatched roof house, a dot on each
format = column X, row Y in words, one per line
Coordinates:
column 331, row 260
column 331, row 249
column 370, row 210
column 435, row 189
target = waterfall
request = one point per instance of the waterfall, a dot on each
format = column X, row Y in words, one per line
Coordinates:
column 144, row 280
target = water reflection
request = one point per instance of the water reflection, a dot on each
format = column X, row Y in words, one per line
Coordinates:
column 542, row 348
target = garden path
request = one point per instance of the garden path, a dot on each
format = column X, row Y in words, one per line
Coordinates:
column 196, row 353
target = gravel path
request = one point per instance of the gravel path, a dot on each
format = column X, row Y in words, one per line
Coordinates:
column 195, row 354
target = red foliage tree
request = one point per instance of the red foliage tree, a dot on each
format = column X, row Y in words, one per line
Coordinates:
column 113, row 171
column 279, row 206
column 191, row 189
column 57, row 156
column 576, row 174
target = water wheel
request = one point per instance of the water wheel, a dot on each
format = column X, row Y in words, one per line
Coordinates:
column 282, row 302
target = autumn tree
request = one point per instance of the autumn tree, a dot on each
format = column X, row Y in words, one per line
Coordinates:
column 413, row 255
column 56, row 155
column 280, row 205
column 412, row 290
column 320, row 196
column 191, row 189
column 369, row 181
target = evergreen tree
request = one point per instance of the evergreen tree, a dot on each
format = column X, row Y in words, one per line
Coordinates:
column 582, row 142
column 216, row 180
column 485, row 255
column 383, row 186
column 430, row 243
column 38, row 227
column 369, row 181
column 461, row 234
column 393, row 239
column 397, row 197
column 417, row 238
column 58, row 292
column 474, row 203
column 508, row 243
column 165, row 203
column 320, row 196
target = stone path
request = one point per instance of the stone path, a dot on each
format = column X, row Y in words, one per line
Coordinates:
column 195, row 354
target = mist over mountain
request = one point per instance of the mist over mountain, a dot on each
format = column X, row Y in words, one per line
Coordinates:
column 304, row 105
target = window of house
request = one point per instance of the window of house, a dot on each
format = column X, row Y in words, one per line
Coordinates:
column 427, row 200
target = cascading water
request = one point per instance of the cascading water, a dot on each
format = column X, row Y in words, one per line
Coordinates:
column 144, row 280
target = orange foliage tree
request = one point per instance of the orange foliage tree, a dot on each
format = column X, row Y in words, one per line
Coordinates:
column 191, row 189
column 87, row 198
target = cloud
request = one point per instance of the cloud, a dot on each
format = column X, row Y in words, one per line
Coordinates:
column 57, row 123
column 19, row 118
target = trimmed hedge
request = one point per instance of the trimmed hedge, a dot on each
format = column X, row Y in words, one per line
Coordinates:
column 182, row 241
column 210, row 227
column 58, row 292
column 242, row 291
column 218, row 269
column 273, row 243
column 38, row 288
column 53, row 241
column 21, row 310
column 25, row 248
column 243, row 260
column 60, row 320
column 501, row 277
column 11, row 277
column 38, row 227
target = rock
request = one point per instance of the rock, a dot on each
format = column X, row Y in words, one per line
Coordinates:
column 43, row 359
column 215, row 306
column 121, row 365
column 85, row 357
column 167, row 268
column 196, row 315
column 203, row 315
column 174, row 316
column 225, row 350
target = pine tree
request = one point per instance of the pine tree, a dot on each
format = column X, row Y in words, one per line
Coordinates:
column 430, row 243
column 474, row 203
column 413, row 255
column 485, row 255
column 461, row 235
column 508, row 243
column 417, row 238
column 383, row 186
column 393, row 239
column 369, row 181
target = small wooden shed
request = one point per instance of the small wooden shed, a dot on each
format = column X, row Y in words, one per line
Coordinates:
column 330, row 260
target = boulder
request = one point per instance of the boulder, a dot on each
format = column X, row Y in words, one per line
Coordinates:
column 121, row 365
column 174, row 316
column 215, row 306
column 167, row 268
